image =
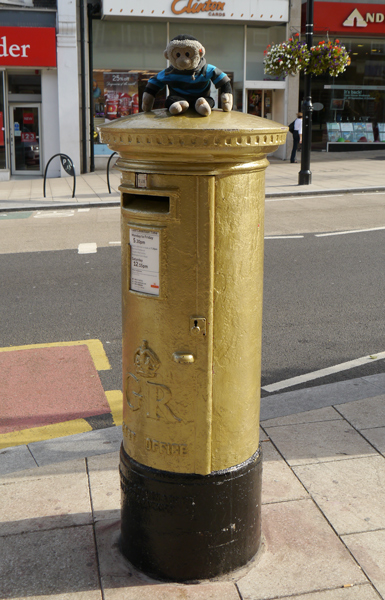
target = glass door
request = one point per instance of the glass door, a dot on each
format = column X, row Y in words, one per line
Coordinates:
column 25, row 138
column 260, row 103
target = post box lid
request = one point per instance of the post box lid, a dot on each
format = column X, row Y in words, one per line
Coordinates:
column 222, row 135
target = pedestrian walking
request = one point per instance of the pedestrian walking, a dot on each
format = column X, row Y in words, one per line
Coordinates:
column 297, row 137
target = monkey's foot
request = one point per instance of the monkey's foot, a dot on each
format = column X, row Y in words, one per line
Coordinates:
column 203, row 107
column 179, row 107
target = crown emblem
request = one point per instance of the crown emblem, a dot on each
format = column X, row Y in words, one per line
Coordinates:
column 146, row 361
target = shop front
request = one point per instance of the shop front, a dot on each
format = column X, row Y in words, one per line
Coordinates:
column 129, row 41
column 25, row 54
column 349, row 110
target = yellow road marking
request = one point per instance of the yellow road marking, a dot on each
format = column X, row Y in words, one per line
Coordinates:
column 95, row 347
column 115, row 400
column 47, row 432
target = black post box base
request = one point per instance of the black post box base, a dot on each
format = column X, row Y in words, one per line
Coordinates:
column 182, row 527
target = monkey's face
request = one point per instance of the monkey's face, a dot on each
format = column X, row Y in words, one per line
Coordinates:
column 184, row 58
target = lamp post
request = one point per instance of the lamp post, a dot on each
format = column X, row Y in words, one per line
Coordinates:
column 304, row 176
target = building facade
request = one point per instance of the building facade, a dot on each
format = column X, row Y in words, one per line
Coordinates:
column 349, row 110
column 67, row 66
column 40, row 101
column 129, row 39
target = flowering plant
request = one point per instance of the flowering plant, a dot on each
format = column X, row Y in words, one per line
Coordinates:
column 288, row 58
column 328, row 56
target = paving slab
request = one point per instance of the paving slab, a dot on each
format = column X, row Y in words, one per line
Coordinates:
column 357, row 592
column 16, row 458
column 302, row 555
column 81, row 445
column 376, row 436
column 306, row 443
column 59, row 563
column 369, row 550
column 45, row 501
column 331, row 394
column 57, row 470
column 104, row 482
column 164, row 591
column 311, row 416
column 351, row 493
column 365, row 414
column 279, row 483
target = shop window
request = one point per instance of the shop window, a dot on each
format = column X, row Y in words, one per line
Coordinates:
column 119, row 94
column 258, row 39
column 122, row 46
column 350, row 108
column 24, row 84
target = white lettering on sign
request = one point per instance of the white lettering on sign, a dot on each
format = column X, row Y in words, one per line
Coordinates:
column 14, row 50
column 355, row 19
column 144, row 261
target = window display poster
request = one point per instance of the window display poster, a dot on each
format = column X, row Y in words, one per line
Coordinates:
column 381, row 127
column 333, row 136
column 346, row 127
column 120, row 95
column 333, row 126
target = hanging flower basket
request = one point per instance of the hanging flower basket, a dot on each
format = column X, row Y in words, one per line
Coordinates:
column 293, row 56
column 328, row 56
column 286, row 58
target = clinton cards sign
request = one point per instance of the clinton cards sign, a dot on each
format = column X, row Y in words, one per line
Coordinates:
column 348, row 18
column 28, row 46
column 273, row 11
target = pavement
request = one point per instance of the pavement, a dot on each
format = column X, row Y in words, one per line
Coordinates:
column 332, row 172
column 323, row 496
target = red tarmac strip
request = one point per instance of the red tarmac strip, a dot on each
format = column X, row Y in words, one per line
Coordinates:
column 43, row 386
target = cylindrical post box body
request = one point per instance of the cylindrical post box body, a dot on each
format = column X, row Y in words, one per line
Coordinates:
column 192, row 202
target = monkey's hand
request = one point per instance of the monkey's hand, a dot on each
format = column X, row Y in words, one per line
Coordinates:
column 147, row 102
column 227, row 102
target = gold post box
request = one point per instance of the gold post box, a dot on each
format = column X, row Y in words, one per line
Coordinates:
column 192, row 218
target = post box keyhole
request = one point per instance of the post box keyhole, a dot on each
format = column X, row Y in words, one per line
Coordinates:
column 198, row 325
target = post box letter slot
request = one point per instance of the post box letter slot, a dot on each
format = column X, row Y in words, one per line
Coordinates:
column 146, row 203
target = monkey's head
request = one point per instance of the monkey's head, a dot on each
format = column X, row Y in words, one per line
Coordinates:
column 184, row 52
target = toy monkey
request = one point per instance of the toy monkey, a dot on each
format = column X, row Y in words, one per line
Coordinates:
column 189, row 79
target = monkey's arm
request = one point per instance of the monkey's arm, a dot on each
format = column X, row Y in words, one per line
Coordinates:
column 227, row 102
column 147, row 102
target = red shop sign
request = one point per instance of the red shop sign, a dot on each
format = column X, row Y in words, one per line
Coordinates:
column 347, row 18
column 28, row 46
column 28, row 118
column 28, row 136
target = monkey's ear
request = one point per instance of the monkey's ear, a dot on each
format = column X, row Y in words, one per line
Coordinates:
column 202, row 51
column 165, row 54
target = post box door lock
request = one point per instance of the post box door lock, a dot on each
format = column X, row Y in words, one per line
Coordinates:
column 197, row 326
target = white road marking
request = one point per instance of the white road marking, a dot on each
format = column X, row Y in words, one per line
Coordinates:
column 108, row 207
column 284, row 237
column 286, row 383
column 48, row 215
column 277, row 198
column 350, row 231
column 369, row 194
column 115, row 243
column 84, row 209
column 88, row 248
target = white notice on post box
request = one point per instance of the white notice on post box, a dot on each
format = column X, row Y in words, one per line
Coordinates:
column 144, row 261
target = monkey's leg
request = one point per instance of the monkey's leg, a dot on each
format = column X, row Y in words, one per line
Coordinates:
column 179, row 107
column 202, row 107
